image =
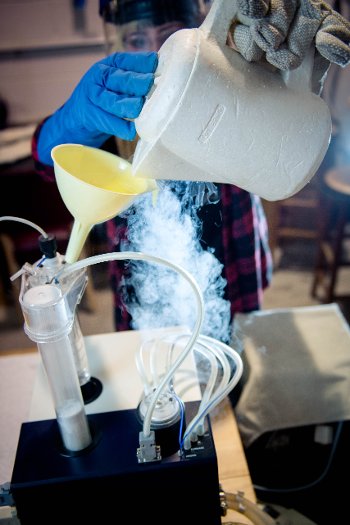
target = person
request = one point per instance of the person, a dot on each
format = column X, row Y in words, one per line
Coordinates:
column 111, row 94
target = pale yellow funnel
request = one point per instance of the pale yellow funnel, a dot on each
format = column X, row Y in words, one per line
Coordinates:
column 95, row 186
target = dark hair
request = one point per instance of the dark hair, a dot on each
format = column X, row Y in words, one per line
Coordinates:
column 159, row 11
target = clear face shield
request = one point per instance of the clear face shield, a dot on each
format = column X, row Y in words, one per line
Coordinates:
column 138, row 35
column 144, row 25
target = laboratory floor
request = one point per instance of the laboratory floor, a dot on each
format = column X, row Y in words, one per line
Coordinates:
column 290, row 286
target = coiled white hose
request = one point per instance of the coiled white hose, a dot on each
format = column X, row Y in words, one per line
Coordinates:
column 222, row 352
column 114, row 256
column 217, row 353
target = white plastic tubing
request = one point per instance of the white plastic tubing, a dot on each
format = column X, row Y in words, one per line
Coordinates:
column 215, row 351
column 114, row 256
column 24, row 221
column 220, row 358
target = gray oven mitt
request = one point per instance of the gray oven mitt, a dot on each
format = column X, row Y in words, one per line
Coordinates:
column 281, row 32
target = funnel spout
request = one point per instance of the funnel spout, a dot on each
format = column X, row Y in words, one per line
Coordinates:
column 77, row 240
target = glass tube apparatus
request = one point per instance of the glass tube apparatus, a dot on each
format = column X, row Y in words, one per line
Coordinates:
column 48, row 322
column 43, row 274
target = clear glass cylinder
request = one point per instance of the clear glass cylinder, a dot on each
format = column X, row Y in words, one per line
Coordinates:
column 59, row 366
column 48, row 322
column 43, row 274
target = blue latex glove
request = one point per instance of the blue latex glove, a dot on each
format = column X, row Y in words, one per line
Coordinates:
column 111, row 91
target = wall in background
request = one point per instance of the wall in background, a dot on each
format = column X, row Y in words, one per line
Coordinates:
column 45, row 48
column 47, row 45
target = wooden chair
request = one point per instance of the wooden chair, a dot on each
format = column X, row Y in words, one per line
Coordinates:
column 334, row 229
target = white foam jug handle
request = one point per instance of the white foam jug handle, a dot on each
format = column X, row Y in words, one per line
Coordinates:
column 218, row 21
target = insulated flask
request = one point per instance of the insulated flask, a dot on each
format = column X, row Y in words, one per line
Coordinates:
column 212, row 116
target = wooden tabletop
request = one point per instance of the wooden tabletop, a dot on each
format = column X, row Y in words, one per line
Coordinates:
column 233, row 469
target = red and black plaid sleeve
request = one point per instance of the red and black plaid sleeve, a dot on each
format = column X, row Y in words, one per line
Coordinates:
column 45, row 171
column 246, row 253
